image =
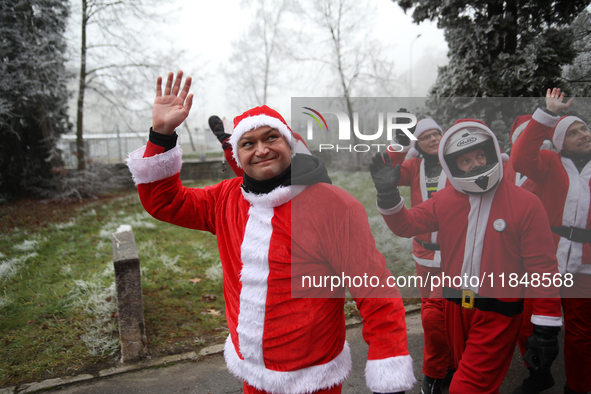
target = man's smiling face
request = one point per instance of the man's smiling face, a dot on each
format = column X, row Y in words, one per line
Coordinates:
column 263, row 153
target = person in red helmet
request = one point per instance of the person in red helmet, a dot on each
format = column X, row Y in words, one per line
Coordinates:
column 425, row 176
column 278, row 343
column 487, row 227
column 562, row 182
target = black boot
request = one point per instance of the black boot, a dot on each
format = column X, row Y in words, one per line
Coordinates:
column 431, row 385
column 535, row 383
column 448, row 377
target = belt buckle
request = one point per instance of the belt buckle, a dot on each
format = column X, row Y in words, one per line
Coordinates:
column 467, row 294
column 572, row 230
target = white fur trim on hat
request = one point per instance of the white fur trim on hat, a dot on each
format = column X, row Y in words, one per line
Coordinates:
column 422, row 126
column 560, row 130
column 254, row 122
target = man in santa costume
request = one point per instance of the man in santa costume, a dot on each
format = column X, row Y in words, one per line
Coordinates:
column 278, row 343
column 425, row 176
column 487, row 227
column 537, row 381
column 562, row 183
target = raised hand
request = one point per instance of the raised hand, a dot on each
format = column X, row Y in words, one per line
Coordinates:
column 555, row 101
column 171, row 108
column 385, row 179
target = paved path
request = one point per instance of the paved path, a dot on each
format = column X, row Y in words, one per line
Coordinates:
column 210, row 376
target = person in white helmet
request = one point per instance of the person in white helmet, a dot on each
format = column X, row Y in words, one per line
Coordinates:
column 488, row 227
column 423, row 173
column 563, row 184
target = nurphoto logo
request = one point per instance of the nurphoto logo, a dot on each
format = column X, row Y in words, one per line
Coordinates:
column 394, row 121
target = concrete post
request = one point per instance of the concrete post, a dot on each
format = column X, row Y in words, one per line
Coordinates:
column 130, row 309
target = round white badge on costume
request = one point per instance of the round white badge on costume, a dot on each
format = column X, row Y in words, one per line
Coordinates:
column 500, row 225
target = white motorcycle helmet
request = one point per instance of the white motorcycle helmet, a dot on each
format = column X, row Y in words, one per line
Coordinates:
column 464, row 136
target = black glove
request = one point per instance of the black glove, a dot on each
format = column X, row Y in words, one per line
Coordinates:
column 542, row 347
column 401, row 139
column 385, row 179
column 217, row 126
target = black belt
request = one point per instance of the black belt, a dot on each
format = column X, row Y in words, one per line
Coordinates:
column 428, row 246
column 573, row 234
column 469, row 300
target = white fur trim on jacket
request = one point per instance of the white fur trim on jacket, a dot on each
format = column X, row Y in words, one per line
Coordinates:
column 254, row 254
column 302, row 381
column 435, row 263
column 545, row 118
column 154, row 168
column 255, row 271
column 550, row 321
column 393, row 210
column 254, row 122
column 575, row 213
column 518, row 131
column 477, row 223
column 390, row 374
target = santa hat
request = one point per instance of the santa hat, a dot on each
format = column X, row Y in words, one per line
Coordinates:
column 255, row 118
column 519, row 124
column 560, row 130
column 422, row 126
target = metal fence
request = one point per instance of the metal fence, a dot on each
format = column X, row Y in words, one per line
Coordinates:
column 113, row 148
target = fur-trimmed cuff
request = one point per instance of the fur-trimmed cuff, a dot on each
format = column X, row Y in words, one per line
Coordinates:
column 390, row 374
column 545, row 118
column 393, row 210
column 154, row 168
column 550, row 321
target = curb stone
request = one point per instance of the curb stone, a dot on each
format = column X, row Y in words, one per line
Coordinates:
column 190, row 356
column 49, row 383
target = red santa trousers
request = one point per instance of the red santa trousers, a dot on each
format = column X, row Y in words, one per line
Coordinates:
column 248, row 389
column 577, row 334
column 482, row 344
column 437, row 357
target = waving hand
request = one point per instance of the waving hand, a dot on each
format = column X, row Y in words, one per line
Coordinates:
column 172, row 107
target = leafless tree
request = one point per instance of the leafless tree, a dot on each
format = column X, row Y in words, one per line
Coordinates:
column 342, row 44
column 258, row 61
column 114, row 57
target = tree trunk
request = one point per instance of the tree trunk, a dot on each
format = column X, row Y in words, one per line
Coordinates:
column 81, row 88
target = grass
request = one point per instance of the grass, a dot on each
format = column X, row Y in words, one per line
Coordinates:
column 57, row 299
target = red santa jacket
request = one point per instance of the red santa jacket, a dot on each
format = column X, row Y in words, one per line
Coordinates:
column 499, row 232
column 412, row 173
column 517, row 178
column 564, row 191
column 278, row 342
